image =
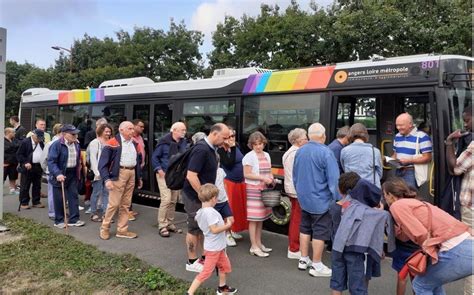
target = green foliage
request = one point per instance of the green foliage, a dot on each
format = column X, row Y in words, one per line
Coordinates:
column 56, row 263
column 276, row 38
column 348, row 30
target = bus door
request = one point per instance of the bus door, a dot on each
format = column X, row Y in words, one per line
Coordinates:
column 158, row 120
column 378, row 113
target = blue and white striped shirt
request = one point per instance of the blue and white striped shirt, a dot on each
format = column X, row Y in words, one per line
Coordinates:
column 405, row 146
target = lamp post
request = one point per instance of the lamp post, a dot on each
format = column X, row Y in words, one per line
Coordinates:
column 70, row 55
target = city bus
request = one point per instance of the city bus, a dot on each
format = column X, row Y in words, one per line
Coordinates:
column 434, row 89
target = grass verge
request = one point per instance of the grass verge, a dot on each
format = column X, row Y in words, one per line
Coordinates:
column 44, row 261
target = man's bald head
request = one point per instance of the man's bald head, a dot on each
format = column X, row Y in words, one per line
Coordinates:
column 404, row 123
column 178, row 130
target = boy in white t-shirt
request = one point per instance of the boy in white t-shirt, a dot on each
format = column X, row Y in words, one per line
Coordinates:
column 213, row 228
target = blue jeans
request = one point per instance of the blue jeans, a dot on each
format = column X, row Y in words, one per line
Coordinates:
column 99, row 190
column 72, row 198
column 348, row 268
column 408, row 175
column 50, row 199
column 452, row 265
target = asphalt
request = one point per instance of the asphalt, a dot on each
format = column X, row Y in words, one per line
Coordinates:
column 251, row 275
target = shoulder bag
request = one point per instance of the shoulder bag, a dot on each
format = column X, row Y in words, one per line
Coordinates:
column 418, row 261
column 421, row 170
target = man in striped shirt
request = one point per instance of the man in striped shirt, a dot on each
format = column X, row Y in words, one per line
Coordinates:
column 405, row 148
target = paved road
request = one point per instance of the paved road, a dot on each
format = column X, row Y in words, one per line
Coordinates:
column 251, row 275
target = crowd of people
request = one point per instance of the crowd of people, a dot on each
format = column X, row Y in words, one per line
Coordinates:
column 336, row 193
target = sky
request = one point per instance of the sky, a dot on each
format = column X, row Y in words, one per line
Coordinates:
column 33, row 26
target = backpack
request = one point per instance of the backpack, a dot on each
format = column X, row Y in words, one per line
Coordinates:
column 177, row 170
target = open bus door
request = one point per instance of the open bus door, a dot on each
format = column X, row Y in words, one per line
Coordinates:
column 378, row 113
column 158, row 118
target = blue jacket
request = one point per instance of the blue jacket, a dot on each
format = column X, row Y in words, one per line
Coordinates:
column 165, row 149
column 109, row 162
column 315, row 176
column 362, row 230
column 57, row 160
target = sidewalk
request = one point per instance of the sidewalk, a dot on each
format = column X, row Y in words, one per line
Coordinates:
column 251, row 275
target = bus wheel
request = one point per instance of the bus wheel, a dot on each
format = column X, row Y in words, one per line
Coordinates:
column 281, row 214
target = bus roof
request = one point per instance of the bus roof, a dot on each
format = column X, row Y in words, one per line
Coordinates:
column 257, row 80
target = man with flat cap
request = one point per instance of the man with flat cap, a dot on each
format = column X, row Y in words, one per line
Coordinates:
column 29, row 157
column 64, row 165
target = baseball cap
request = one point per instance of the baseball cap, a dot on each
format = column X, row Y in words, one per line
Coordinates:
column 68, row 128
column 39, row 133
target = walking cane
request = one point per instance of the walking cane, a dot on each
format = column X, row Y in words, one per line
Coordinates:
column 64, row 207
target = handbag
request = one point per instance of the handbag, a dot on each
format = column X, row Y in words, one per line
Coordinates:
column 421, row 170
column 271, row 198
column 90, row 174
column 418, row 261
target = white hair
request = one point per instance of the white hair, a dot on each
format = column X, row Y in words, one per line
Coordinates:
column 123, row 124
column 100, row 122
column 198, row 136
column 316, row 129
column 176, row 125
column 296, row 134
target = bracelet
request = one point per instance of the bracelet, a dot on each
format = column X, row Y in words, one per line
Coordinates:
column 446, row 142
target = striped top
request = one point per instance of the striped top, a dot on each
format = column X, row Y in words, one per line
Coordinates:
column 405, row 146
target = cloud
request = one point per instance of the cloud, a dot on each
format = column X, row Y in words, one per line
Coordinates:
column 27, row 12
column 206, row 17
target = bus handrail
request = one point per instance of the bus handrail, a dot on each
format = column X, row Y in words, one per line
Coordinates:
column 382, row 150
column 431, row 186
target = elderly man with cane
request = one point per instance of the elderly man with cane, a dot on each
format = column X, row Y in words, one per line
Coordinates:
column 119, row 167
column 64, row 165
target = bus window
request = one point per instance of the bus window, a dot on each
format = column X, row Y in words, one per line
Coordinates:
column 77, row 115
column 276, row 115
column 459, row 99
column 199, row 116
column 163, row 121
column 114, row 114
column 51, row 119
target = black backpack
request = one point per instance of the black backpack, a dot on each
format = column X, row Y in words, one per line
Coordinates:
column 177, row 170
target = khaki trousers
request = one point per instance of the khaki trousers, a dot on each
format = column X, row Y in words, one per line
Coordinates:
column 167, row 203
column 466, row 215
column 120, row 198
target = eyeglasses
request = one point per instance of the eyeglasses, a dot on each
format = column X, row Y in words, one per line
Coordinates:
column 232, row 136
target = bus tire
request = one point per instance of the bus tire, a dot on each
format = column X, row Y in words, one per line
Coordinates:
column 281, row 214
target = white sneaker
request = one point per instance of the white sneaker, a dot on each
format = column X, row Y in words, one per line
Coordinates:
column 321, row 271
column 81, row 208
column 88, row 211
column 304, row 263
column 230, row 241
column 294, row 255
column 60, row 225
column 12, row 191
column 77, row 223
column 237, row 236
column 196, row 266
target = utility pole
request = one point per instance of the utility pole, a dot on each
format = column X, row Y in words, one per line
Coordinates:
column 3, row 71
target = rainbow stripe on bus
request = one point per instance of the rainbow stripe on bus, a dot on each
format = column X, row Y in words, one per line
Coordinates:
column 81, row 96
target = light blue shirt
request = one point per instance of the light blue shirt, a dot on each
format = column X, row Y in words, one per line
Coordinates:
column 315, row 176
column 358, row 157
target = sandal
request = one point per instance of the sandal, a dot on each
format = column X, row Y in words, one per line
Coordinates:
column 96, row 218
column 164, row 232
column 174, row 229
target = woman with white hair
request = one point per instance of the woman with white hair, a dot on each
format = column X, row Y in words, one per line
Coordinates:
column 297, row 137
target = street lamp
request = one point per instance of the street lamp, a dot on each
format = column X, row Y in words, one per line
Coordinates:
column 70, row 55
